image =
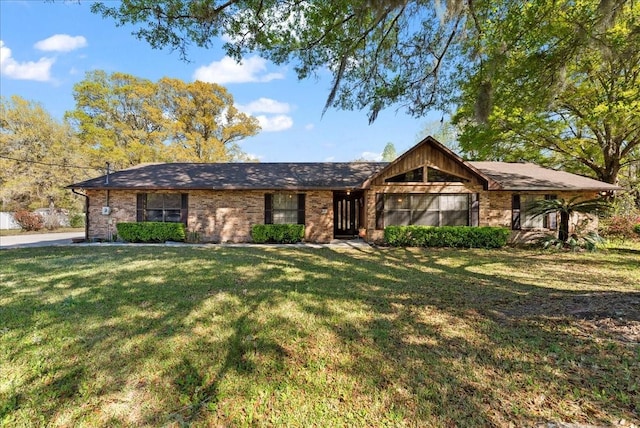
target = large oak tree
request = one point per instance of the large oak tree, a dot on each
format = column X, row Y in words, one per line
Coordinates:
column 126, row 120
column 480, row 55
column 583, row 118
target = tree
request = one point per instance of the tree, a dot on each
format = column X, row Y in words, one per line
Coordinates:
column 381, row 52
column 119, row 119
column 126, row 120
column 586, row 120
column 204, row 125
column 389, row 153
column 442, row 130
column 38, row 157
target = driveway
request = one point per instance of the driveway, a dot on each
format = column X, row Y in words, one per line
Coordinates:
column 38, row 240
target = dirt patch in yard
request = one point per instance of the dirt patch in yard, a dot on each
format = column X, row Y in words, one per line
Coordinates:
column 613, row 315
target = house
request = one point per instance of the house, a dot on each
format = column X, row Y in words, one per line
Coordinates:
column 427, row 185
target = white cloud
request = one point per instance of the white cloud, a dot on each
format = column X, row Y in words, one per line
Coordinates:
column 330, row 159
column 227, row 70
column 309, row 126
column 30, row 70
column 255, row 156
column 277, row 123
column 371, row 156
column 265, row 105
column 61, row 43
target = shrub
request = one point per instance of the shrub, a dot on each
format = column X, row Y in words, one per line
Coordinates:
column 76, row 220
column 151, row 232
column 619, row 226
column 28, row 220
column 446, row 236
column 277, row 233
column 636, row 228
column 589, row 242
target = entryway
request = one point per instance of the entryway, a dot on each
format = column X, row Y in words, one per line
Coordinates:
column 348, row 212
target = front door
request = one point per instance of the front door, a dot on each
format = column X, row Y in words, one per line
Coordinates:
column 347, row 212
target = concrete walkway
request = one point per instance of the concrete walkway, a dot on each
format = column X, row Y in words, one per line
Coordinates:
column 38, row 240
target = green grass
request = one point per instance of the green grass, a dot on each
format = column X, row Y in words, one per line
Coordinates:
column 228, row 336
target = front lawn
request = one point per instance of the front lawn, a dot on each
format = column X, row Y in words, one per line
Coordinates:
column 228, row 336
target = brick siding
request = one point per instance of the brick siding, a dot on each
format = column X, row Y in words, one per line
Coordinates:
column 217, row 216
column 227, row 216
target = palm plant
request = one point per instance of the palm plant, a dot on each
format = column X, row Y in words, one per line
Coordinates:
column 565, row 208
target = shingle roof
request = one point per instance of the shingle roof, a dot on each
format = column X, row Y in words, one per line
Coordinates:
column 528, row 176
column 246, row 176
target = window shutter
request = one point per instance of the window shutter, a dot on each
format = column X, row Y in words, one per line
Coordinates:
column 141, row 198
column 515, row 212
column 474, row 212
column 268, row 208
column 184, row 208
column 301, row 199
column 379, row 211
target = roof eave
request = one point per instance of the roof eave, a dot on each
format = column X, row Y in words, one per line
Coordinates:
column 561, row 189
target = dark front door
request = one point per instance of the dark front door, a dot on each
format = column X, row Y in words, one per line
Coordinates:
column 347, row 213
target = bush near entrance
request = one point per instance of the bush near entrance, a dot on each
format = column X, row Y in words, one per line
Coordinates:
column 446, row 236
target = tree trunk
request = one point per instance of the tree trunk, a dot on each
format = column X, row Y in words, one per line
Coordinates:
column 563, row 229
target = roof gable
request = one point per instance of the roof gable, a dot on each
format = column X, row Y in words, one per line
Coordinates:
column 429, row 153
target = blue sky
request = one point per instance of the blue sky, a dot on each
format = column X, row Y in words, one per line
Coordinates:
column 48, row 47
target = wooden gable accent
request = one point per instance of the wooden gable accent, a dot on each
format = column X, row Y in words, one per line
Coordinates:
column 429, row 153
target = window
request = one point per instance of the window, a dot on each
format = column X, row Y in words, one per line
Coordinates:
column 402, row 209
column 413, row 176
column 163, row 207
column 284, row 208
column 437, row 176
column 522, row 217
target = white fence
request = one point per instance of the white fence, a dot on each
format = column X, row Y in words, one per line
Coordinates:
column 7, row 221
column 52, row 219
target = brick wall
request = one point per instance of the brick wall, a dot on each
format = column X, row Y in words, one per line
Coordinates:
column 227, row 216
column 217, row 216
column 495, row 208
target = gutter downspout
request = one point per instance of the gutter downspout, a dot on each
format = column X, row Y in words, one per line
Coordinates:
column 86, row 214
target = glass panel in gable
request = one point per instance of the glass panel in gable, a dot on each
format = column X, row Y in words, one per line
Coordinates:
column 413, row 176
column 437, row 176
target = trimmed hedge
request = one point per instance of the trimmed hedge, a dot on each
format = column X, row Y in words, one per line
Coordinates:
column 150, row 231
column 277, row 233
column 446, row 236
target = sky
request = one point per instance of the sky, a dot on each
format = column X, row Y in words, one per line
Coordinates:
column 47, row 47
